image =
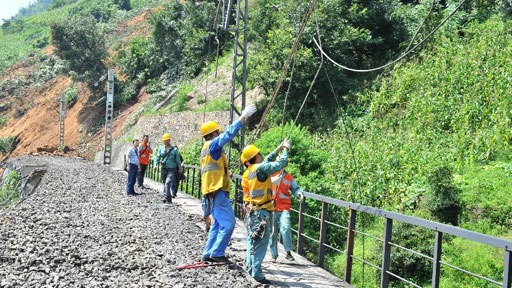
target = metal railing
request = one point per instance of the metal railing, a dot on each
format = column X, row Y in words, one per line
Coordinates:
column 192, row 185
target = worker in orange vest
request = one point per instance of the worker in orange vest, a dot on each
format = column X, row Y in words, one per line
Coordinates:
column 283, row 186
column 144, row 154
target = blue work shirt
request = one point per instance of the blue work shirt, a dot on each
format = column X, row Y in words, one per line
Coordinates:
column 172, row 161
column 133, row 156
column 224, row 138
column 216, row 146
column 268, row 167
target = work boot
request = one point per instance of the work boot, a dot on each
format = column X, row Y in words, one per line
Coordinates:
column 221, row 259
column 264, row 281
column 206, row 259
column 289, row 256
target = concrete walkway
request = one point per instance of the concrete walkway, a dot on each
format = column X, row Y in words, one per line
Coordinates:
column 299, row 273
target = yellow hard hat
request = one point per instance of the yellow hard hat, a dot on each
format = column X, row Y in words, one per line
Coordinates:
column 166, row 136
column 249, row 152
column 209, row 127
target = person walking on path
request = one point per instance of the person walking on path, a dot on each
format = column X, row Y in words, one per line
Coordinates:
column 168, row 156
column 133, row 167
column 282, row 184
column 257, row 187
column 215, row 186
column 144, row 156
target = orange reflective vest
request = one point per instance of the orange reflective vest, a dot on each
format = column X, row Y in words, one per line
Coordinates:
column 144, row 154
column 282, row 196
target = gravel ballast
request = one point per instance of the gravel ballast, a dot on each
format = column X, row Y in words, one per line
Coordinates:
column 79, row 229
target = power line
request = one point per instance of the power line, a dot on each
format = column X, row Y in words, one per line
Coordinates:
column 399, row 58
column 291, row 56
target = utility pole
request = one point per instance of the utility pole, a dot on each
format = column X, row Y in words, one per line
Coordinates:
column 62, row 117
column 239, row 76
column 107, row 152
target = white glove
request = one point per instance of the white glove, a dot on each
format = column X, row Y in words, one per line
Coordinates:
column 276, row 179
column 248, row 111
column 286, row 144
column 301, row 196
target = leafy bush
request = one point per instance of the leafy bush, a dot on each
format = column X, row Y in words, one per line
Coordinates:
column 443, row 199
column 7, row 144
column 3, row 121
column 80, row 42
column 9, row 191
column 71, row 96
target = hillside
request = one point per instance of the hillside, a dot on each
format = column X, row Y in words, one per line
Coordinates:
column 429, row 136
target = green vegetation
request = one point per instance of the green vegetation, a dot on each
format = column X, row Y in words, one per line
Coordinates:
column 7, row 144
column 3, row 121
column 178, row 103
column 70, row 96
column 81, row 43
column 216, row 104
column 9, row 192
column 429, row 137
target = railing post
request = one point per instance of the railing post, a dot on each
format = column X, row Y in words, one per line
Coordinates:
column 386, row 253
column 300, row 229
column 323, row 235
column 182, row 181
column 186, row 187
column 237, row 212
column 199, row 182
column 350, row 244
column 436, row 269
column 507, row 279
column 193, row 181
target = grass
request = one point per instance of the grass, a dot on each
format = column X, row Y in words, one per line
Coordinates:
column 486, row 192
column 217, row 104
column 9, row 190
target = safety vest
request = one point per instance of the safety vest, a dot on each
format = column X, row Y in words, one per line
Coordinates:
column 214, row 173
column 282, row 198
column 256, row 193
column 144, row 154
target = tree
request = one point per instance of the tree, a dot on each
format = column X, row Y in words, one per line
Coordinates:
column 81, row 43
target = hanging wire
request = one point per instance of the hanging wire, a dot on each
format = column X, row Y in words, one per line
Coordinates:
column 421, row 25
column 214, row 24
column 319, row 46
column 312, row 83
column 286, row 65
column 286, row 98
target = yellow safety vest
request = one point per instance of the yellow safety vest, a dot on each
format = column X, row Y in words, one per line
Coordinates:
column 214, row 173
column 258, row 194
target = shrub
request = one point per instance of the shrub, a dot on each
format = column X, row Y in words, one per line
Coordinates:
column 70, row 96
column 443, row 200
column 9, row 191
column 7, row 144
column 3, row 121
column 80, row 42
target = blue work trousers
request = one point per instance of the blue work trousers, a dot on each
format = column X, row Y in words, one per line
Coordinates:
column 132, row 178
column 222, row 228
column 256, row 249
column 170, row 179
column 281, row 226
